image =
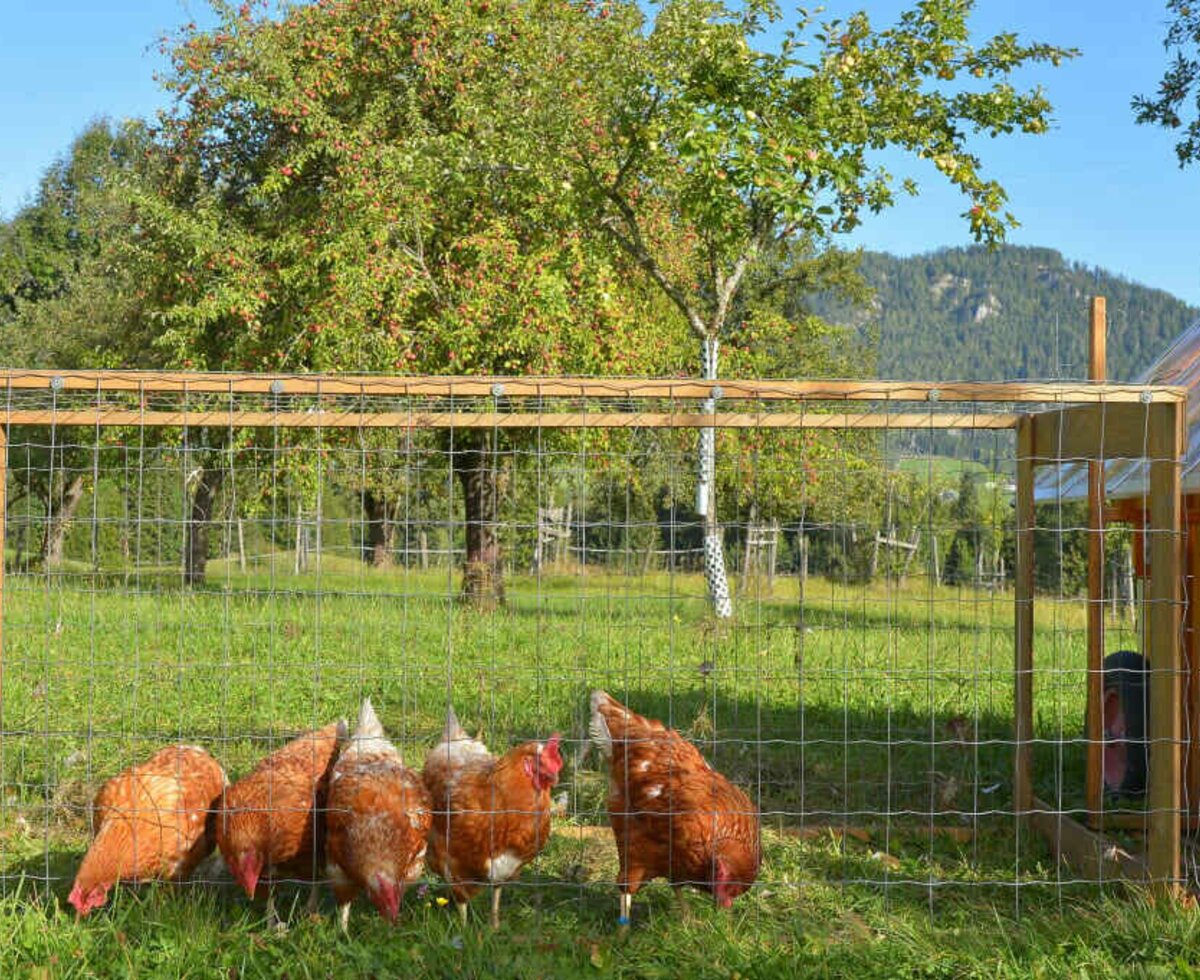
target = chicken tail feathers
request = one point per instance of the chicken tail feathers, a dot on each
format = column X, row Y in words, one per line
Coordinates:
column 369, row 736
column 368, row 725
column 453, row 731
column 598, row 730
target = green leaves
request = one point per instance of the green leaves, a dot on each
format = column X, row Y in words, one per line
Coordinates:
column 1178, row 95
column 709, row 138
column 359, row 187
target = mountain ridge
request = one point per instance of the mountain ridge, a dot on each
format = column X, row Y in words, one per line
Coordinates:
column 1017, row 312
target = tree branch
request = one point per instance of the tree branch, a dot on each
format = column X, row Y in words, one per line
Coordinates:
column 635, row 246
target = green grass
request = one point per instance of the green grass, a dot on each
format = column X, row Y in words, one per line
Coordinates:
column 885, row 710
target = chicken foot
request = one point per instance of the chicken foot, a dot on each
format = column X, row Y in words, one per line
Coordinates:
column 626, row 915
column 274, row 922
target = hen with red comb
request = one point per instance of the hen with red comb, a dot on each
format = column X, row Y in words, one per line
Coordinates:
column 491, row 816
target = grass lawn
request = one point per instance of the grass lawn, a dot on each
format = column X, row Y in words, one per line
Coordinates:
column 871, row 725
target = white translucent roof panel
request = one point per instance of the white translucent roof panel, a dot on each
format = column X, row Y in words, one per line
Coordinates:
column 1125, row 479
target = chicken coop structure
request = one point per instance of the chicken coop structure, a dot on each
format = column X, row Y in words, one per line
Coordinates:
column 1120, row 493
column 161, row 456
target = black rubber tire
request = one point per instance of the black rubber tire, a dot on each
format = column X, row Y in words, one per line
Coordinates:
column 1128, row 673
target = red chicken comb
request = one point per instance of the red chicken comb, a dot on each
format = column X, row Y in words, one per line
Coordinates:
column 551, row 756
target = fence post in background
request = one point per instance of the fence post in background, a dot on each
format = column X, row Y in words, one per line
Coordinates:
column 1023, row 579
column 1166, row 437
column 1097, row 370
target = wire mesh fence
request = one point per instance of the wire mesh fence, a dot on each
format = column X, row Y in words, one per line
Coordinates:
column 902, row 691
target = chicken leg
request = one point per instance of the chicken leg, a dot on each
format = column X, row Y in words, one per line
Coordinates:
column 495, row 907
column 274, row 922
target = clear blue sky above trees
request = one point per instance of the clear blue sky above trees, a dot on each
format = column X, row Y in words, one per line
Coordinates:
column 1099, row 188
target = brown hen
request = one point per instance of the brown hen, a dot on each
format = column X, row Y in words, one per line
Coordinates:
column 150, row 822
column 491, row 816
column 378, row 822
column 272, row 822
column 673, row 816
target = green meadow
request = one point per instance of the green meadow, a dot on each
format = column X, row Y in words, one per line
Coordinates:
column 871, row 724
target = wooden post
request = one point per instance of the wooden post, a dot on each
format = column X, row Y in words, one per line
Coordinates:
column 1130, row 591
column 1023, row 574
column 748, row 550
column 1097, row 370
column 1191, row 661
column 3, row 538
column 772, row 555
column 241, row 546
column 1166, row 437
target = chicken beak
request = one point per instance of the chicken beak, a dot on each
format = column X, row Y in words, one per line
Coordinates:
column 249, row 871
column 386, row 897
column 85, row 903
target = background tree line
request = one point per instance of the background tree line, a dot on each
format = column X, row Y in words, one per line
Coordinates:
column 539, row 187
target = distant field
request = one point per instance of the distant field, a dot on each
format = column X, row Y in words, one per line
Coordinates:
column 884, row 712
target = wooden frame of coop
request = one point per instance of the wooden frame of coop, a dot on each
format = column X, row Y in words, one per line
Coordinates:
column 1066, row 422
column 1135, row 506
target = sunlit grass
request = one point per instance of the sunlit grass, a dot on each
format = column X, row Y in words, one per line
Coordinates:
column 872, row 725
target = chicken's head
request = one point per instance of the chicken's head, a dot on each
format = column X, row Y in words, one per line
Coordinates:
column 248, row 870
column 385, row 894
column 543, row 765
column 85, row 900
column 725, row 889
column 734, row 872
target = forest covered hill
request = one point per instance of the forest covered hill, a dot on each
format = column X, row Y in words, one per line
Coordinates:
column 1011, row 313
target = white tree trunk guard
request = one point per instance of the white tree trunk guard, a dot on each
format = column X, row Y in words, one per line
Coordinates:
column 714, row 552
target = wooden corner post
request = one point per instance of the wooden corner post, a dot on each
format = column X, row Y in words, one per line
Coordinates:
column 1165, row 451
column 3, row 541
column 1097, row 371
column 1023, row 706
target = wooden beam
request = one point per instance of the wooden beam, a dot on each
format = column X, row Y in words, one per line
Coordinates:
column 1191, row 666
column 324, row 419
column 1091, row 433
column 155, row 382
column 1136, row 821
column 1097, row 371
column 1023, row 633
column 3, row 541
column 1163, row 623
column 1093, row 856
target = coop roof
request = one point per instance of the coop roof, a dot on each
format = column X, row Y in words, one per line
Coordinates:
column 1127, row 479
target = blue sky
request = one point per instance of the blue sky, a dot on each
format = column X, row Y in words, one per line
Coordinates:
column 1098, row 188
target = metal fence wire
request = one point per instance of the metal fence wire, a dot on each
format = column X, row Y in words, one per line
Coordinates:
column 911, row 690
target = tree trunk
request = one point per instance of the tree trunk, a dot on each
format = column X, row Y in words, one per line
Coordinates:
column 706, row 502
column 195, row 550
column 59, row 522
column 483, row 581
column 381, row 532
